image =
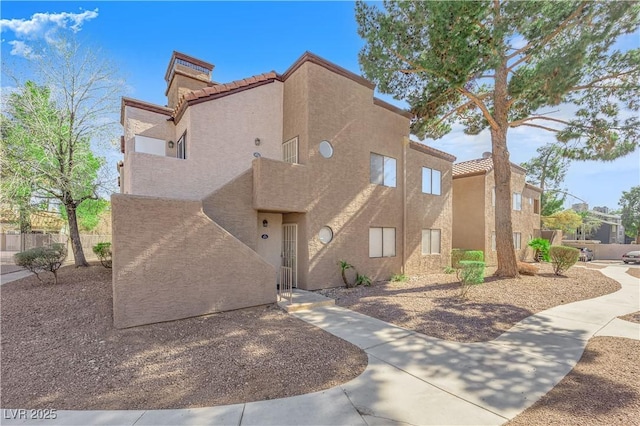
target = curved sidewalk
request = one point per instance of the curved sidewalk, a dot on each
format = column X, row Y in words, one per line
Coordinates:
column 415, row 379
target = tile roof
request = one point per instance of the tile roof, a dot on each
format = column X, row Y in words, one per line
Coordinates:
column 478, row 166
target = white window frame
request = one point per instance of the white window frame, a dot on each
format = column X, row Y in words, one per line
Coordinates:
column 290, row 151
column 517, row 201
column 428, row 236
column 382, row 237
column 181, row 147
column 432, row 173
column 517, row 240
column 384, row 176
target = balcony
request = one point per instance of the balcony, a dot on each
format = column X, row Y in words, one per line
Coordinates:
column 279, row 186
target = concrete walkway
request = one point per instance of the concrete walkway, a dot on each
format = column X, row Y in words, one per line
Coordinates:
column 415, row 379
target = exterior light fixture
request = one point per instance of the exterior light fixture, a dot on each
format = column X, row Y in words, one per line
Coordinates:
column 265, row 223
column 171, row 144
column 257, row 141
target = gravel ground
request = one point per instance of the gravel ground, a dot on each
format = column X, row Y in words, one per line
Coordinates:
column 634, row 272
column 60, row 350
column 602, row 389
column 431, row 304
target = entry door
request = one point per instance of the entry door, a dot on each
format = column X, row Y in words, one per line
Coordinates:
column 290, row 249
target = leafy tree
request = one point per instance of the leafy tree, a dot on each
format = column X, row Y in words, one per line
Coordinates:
column 88, row 213
column 630, row 203
column 567, row 221
column 52, row 125
column 499, row 65
column 548, row 171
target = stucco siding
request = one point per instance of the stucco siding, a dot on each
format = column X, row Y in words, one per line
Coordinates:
column 179, row 264
column 469, row 213
column 232, row 208
column 427, row 211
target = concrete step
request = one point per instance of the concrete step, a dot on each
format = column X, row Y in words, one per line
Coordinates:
column 304, row 300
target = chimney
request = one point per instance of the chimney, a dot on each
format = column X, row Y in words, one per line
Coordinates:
column 486, row 155
column 185, row 74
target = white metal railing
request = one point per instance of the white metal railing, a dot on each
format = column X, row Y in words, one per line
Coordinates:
column 285, row 290
column 290, row 151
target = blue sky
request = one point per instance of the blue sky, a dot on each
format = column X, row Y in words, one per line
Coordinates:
column 243, row 39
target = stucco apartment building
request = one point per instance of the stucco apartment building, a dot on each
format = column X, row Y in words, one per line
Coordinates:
column 474, row 208
column 230, row 185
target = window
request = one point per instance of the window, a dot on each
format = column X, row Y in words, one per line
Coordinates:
column 517, row 201
column 431, row 179
column 181, row 150
column 536, row 206
column 290, row 151
column 493, row 241
column 517, row 239
column 493, row 196
column 383, row 170
column 382, row 242
column 430, row 241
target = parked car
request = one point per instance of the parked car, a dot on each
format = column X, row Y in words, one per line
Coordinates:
column 631, row 257
column 586, row 254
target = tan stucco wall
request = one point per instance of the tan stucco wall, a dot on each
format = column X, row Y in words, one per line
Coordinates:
column 342, row 112
column 280, row 186
column 469, row 220
column 220, row 145
column 474, row 214
column 232, row 208
column 171, row 261
column 427, row 211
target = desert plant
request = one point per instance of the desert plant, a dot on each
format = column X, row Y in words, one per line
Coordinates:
column 399, row 278
column 527, row 269
column 471, row 273
column 103, row 251
column 344, row 266
column 540, row 248
column 563, row 258
column 459, row 255
column 41, row 259
column 363, row 280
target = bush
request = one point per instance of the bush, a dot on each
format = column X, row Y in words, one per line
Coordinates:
column 41, row 259
column 540, row 247
column 344, row 266
column 363, row 280
column 563, row 258
column 103, row 251
column 471, row 273
column 459, row 255
column 399, row 278
column 527, row 269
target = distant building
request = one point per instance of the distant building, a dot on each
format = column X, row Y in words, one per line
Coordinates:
column 602, row 209
column 580, row 207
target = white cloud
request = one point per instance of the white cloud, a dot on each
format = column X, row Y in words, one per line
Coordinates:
column 20, row 48
column 42, row 26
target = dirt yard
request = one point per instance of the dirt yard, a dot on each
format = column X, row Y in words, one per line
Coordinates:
column 60, row 350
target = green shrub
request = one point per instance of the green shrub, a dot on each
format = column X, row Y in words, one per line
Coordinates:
column 459, row 255
column 449, row 270
column 540, row 248
column 103, row 251
column 41, row 259
column 399, row 278
column 471, row 273
column 563, row 258
column 363, row 280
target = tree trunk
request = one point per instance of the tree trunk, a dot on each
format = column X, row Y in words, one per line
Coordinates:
column 507, row 262
column 74, row 234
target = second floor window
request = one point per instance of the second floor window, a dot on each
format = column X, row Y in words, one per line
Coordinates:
column 431, row 179
column 181, row 147
column 517, row 201
column 383, row 170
